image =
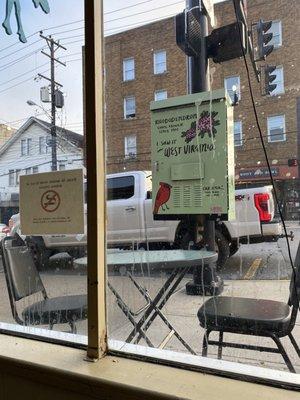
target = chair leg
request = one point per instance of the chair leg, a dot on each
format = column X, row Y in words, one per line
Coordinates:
column 220, row 347
column 205, row 343
column 294, row 343
column 283, row 353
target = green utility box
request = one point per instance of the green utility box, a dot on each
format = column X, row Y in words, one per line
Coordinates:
column 193, row 156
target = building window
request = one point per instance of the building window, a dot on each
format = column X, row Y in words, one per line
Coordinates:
column 25, row 147
column 35, row 170
column 276, row 128
column 11, row 177
column 160, row 95
column 238, row 133
column 232, row 85
column 130, row 146
column 27, row 171
column 42, row 144
column 160, row 62
column 18, row 171
column 62, row 167
column 276, row 29
column 279, row 81
column 129, row 107
column 128, row 69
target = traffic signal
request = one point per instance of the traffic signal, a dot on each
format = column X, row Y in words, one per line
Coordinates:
column 269, row 78
column 264, row 38
column 292, row 162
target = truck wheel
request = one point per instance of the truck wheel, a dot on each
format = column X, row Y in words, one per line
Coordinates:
column 233, row 248
column 40, row 253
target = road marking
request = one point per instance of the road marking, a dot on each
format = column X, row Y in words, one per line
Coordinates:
column 253, row 269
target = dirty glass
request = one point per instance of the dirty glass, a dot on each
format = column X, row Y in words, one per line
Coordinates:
column 198, row 262
column 42, row 277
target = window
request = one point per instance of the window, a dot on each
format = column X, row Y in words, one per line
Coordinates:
column 11, row 177
column 238, row 133
column 279, row 81
column 35, row 170
column 130, row 146
column 128, row 69
column 42, row 144
column 276, row 29
column 160, row 95
column 129, row 107
column 26, row 147
column 160, row 62
column 276, row 128
column 232, row 85
column 120, row 188
column 27, row 171
column 62, row 167
column 18, row 171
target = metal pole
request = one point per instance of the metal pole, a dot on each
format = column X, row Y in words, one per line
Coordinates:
column 53, row 108
column 198, row 81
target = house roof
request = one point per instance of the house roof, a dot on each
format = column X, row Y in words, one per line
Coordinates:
column 72, row 137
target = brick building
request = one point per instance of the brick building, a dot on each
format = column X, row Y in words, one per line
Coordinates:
column 145, row 63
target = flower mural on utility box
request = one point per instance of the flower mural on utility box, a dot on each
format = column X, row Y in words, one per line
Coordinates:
column 10, row 4
column 206, row 124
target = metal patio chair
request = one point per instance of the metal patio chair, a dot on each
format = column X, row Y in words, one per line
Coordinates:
column 24, row 282
column 255, row 317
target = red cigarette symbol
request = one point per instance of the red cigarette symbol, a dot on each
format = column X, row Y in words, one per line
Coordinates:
column 50, row 201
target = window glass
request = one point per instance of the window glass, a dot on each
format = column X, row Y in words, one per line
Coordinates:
column 129, row 107
column 130, row 146
column 279, row 81
column 120, row 188
column 41, row 270
column 276, row 128
column 276, row 29
column 160, row 95
column 238, row 133
column 128, row 69
column 160, row 62
column 232, row 85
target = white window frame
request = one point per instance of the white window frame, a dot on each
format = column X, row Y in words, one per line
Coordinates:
column 61, row 166
column 277, row 91
column 240, row 141
column 125, row 71
column 230, row 92
column 128, row 153
column 284, row 128
column 35, row 169
column 157, row 92
column 26, row 146
column 276, row 46
column 127, row 115
column 157, row 71
column 11, row 177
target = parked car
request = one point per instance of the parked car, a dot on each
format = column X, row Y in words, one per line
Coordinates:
column 131, row 223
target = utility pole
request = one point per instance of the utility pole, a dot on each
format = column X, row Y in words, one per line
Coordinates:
column 53, row 46
column 198, row 81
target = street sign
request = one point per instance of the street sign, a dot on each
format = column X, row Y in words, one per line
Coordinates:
column 209, row 6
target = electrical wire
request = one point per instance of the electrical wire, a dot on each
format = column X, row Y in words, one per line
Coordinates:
column 265, row 151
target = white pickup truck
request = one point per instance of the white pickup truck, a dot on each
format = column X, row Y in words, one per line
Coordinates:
column 131, row 223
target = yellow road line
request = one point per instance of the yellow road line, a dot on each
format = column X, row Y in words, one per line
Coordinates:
column 253, row 268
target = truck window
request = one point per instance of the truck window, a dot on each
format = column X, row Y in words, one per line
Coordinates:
column 120, row 188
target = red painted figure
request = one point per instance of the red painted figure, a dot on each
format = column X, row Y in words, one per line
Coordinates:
column 162, row 196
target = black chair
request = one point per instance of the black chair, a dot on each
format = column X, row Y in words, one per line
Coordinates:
column 255, row 317
column 23, row 281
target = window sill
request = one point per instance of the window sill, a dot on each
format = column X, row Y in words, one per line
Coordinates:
column 116, row 377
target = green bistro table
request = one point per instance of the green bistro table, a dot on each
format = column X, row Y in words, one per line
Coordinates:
column 178, row 261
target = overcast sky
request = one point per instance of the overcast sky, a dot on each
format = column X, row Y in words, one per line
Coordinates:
column 20, row 63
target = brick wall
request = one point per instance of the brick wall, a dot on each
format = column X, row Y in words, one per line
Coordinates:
column 140, row 43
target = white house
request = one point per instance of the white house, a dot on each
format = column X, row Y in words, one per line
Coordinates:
column 27, row 152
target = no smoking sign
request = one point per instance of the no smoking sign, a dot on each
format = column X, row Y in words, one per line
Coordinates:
column 50, row 201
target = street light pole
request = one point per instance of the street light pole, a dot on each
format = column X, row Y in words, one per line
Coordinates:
column 198, row 81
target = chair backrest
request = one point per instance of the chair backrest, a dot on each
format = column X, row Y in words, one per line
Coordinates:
column 23, row 278
column 295, row 281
